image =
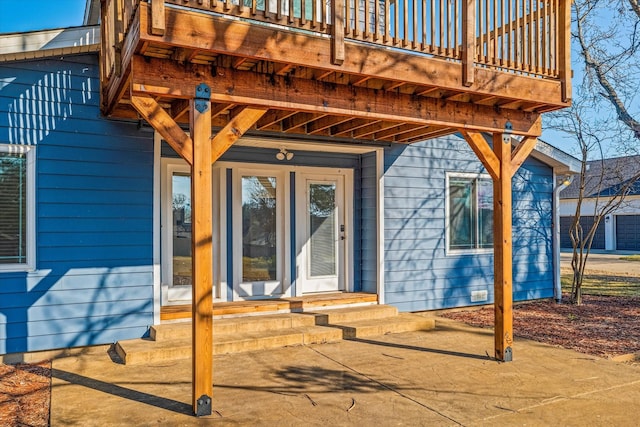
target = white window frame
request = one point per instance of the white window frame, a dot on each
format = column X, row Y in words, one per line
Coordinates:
column 30, row 152
column 447, row 220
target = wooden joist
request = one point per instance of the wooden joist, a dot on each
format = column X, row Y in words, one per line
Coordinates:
column 155, row 77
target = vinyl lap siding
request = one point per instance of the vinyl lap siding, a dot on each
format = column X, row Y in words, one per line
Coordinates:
column 368, row 254
column 419, row 275
column 94, row 190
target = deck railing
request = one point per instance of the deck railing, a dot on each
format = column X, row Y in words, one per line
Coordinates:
column 522, row 36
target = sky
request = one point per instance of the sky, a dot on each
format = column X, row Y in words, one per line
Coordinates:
column 30, row 15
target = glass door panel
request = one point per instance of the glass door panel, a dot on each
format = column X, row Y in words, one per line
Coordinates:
column 181, row 207
column 260, row 236
column 323, row 230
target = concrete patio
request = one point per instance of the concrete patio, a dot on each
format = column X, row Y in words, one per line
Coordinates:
column 441, row 377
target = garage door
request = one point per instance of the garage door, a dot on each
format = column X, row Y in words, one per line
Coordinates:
column 586, row 222
column 628, row 232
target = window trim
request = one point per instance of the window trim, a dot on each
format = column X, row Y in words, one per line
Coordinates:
column 30, row 152
column 447, row 222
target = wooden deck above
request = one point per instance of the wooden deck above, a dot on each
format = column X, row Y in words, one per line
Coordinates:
column 403, row 71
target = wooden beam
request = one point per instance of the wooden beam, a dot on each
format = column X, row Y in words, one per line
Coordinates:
column 521, row 153
column 202, row 256
column 162, row 122
column 158, row 25
column 261, row 42
column 481, row 147
column 168, row 79
column 502, row 246
column 244, row 118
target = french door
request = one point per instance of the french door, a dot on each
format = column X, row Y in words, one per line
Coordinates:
column 321, row 233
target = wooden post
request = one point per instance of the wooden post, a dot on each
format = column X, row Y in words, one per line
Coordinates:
column 502, row 164
column 158, row 25
column 201, row 217
column 468, row 41
column 564, row 48
column 337, row 31
column 502, row 258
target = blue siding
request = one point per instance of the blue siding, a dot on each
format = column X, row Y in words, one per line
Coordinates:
column 368, row 256
column 94, row 192
column 419, row 275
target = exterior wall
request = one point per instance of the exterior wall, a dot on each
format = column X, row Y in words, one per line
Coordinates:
column 610, row 225
column 92, row 281
column 631, row 206
column 419, row 274
column 369, row 225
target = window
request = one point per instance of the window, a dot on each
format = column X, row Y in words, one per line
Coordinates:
column 470, row 213
column 16, row 214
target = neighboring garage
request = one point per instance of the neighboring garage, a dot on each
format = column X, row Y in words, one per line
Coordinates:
column 628, row 232
column 587, row 223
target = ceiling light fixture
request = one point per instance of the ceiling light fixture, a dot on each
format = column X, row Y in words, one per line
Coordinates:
column 284, row 154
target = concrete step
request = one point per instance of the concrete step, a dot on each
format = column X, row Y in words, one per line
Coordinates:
column 143, row 351
column 252, row 341
column 140, row 351
column 172, row 341
column 403, row 322
column 354, row 314
column 235, row 325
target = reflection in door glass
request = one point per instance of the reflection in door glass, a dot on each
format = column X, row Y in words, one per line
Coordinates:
column 323, row 231
column 181, row 202
column 259, row 251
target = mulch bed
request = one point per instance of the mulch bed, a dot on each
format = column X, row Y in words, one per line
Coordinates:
column 603, row 326
column 25, row 394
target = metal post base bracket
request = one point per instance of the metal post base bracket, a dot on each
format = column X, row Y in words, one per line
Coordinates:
column 203, row 97
column 203, row 406
column 508, row 355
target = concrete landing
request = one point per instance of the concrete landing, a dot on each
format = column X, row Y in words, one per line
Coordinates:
column 438, row 378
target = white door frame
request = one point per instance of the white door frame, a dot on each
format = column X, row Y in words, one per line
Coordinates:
column 345, row 179
column 180, row 294
column 283, row 237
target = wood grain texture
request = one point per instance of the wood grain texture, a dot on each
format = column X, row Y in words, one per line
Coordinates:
column 202, row 250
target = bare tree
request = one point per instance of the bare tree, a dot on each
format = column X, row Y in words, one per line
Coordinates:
column 604, row 120
column 602, row 186
column 607, row 36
